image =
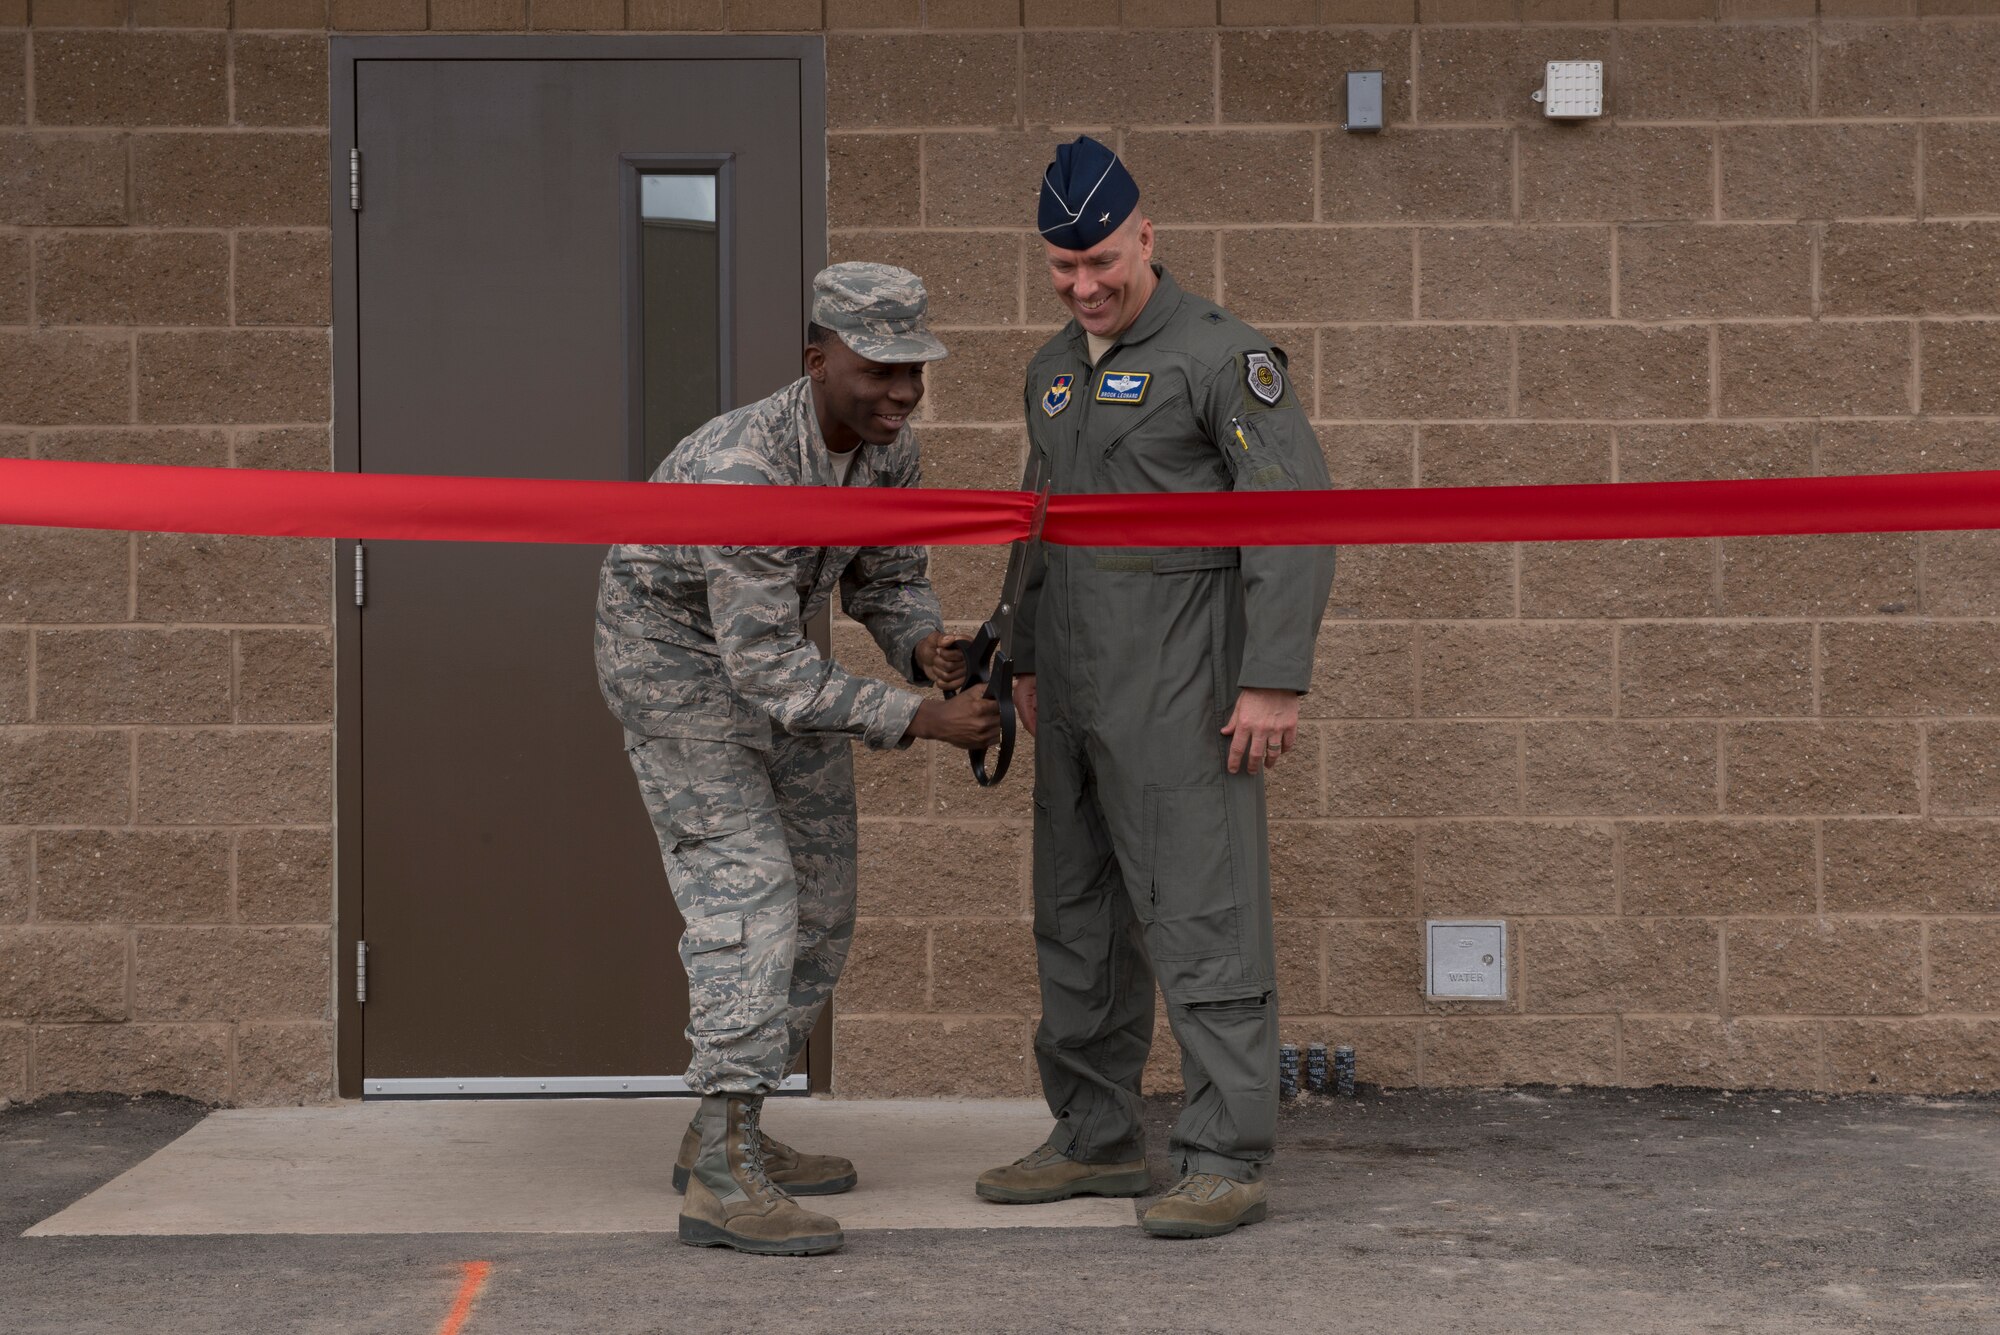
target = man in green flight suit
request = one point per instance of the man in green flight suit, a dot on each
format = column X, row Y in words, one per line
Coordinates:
column 1159, row 684
column 740, row 734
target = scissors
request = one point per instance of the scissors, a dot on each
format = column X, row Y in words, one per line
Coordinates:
column 988, row 654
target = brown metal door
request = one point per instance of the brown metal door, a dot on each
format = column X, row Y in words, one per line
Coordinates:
column 516, row 916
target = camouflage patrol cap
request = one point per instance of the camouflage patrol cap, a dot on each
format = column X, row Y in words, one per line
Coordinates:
column 878, row 310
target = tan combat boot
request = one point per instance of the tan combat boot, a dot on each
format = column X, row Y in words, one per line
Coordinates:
column 1205, row 1205
column 793, row 1173
column 1047, row 1174
column 731, row 1203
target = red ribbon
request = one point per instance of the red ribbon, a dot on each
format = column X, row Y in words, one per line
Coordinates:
column 154, row 499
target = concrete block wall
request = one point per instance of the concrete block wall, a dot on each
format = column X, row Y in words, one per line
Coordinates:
column 1736, row 798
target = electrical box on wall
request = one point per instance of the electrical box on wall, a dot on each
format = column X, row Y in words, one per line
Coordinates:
column 1572, row 90
column 1465, row 961
column 1364, row 102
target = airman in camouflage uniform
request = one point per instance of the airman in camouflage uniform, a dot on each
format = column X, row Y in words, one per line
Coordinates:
column 739, row 732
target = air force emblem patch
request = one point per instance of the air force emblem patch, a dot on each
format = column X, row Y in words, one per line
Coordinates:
column 1263, row 377
column 1057, row 398
column 1123, row 386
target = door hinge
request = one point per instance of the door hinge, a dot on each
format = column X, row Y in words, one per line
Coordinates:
column 354, row 179
column 361, row 972
column 360, row 575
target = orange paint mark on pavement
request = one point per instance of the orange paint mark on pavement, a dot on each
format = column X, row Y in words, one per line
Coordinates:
column 468, row 1290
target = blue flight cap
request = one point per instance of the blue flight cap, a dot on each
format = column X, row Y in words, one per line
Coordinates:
column 1086, row 195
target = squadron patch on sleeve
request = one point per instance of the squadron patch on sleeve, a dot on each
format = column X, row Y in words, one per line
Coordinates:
column 1263, row 377
column 1057, row 398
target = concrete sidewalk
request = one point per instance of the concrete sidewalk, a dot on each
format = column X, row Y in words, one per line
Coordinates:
column 1640, row 1213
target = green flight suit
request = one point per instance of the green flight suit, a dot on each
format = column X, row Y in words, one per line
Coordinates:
column 1150, row 858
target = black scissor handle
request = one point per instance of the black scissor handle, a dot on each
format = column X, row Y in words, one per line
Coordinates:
column 987, row 665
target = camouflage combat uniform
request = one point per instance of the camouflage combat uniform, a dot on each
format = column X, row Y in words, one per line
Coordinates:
column 739, row 732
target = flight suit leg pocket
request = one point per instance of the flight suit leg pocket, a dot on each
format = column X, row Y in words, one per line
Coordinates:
column 1196, row 878
column 1070, row 851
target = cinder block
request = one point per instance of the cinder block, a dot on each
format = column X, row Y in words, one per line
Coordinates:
column 202, row 578
column 282, row 80
column 1961, row 168
column 913, row 869
column 64, row 776
column 284, row 676
column 1422, row 581
column 1486, row 74
column 230, row 179
column 13, row 686
column 1913, row 1056
column 230, row 777
column 13, row 1057
column 284, row 876
column 1622, row 579
column 60, row 377
column 233, row 973
column 1342, row 871
column 1223, row 176
column 1479, row 869
column 983, row 180
column 888, row 968
column 62, row 973
column 1965, row 965
column 64, row 574
column 1267, row 13
column 1819, row 171
column 1965, row 769
column 1405, row 372
column 1962, row 574
column 62, row 180
column 163, row 278
column 378, row 15
column 976, row 457
column 1506, row 454
column 1709, row 671
column 984, row 966
column 1713, row 72
column 13, row 280
column 1364, row 455
column 279, row 13
column 873, row 180
column 1714, row 451
column 133, row 676
column 1361, row 671
column 922, row 79
column 309, row 447
column 1727, row 1054
column 1614, row 371
column 151, row 876
column 1590, row 966
column 1885, row 668
column 1121, row 78
column 1069, row 13
column 1620, row 769
column 1168, row 13
column 1920, row 446
column 1513, row 671
column 235, row 376
column 1293, row 78
column 1909, row 69
column 185, row 1059
column 981, row 380
column 1838, row 574
column 1911, row 268
column 13, row 80
column 1293, row 790
column 1817, row 369
column 609, row 15
column 284, row 278
column 510, row 15
column 1304, row 275
column 279, row 1064
column 1834, row 769
column 893, row 14
column 1895, row 866
column 1422, row 769
column 185, row 447
column 130, row 78
column 1509, row 1050
column 1506, row 273
column 677, row 15
column 1374, row 968
column 972, row 277
column 1417, row 175
column 1827, row 966
column 773, row 15
column 79, row 13
column 1703, row 270
column 1716, row 868
column 904, row 1057
column 1958, row 362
